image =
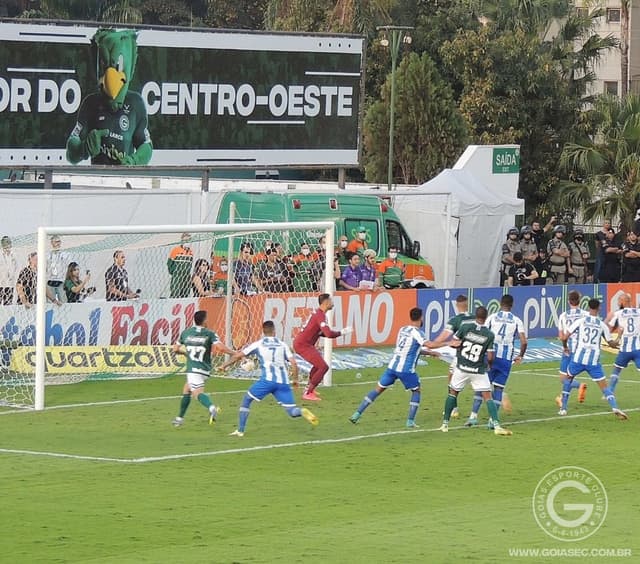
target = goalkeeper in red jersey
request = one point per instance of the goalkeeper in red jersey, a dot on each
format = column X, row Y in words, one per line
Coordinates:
column 305, row 345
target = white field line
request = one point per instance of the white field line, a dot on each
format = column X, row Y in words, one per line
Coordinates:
column 516, row 373
column 242, row 450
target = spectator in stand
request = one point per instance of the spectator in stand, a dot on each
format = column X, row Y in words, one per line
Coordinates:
column 579, row 255
column 273, row 273
column 538, row 232
column 528, row 246
column 57, row 262
column 543, row 267
column 26, row 286
column 559, row 255
column 369, row 270
column 307, row 269
column 116, row 280
column 611, row 253
column 352, row 274
column 631, row 258
column 245, row 281
column 509, row 248
column 341, row 255
column 359, row 243
column 600, row 237
column 521, row 273
column 219, row 274
column 200, row 280
column 8, row 271
column 262, row 255
column 288, row 262
column 392, row 270
column 179, row 264
column 77, row 289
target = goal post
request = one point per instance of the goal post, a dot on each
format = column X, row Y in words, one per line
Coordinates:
column 141, row 324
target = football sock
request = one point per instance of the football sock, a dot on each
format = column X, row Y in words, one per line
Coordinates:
column 449, row 404
column 566, row 391
column 613, row 381
column 243, row 414
column 368, row 400
column 294, row 411
column 496, row 395
column 414, row 402
column 575, row 384
column 184, row 404
column 477, row 402
column 493, row 411
column 608, row 394
column 205, row 400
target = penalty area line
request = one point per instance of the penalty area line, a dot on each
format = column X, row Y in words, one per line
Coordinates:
column 258, row 448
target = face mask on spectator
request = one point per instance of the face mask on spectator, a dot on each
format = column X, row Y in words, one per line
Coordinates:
column 223, row 267
column 305, row 251
column 393, row 255
column 343, row 244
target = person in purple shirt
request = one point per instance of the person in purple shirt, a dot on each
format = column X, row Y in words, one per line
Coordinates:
column 369, row 269
column 351, row 274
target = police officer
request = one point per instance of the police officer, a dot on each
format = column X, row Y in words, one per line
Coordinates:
column 558, row 255
column 509, row 248
column 578, row 256
column 528, row 246
column 631, row 258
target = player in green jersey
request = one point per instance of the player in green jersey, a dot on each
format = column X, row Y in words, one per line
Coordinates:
column 451, row 328
column 475, row 353
column 196, row 343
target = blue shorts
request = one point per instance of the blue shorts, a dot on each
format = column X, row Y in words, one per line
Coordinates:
column 595, row 371
column 564, row 363
column 410, row 380
column 500, row 370
column 624, row 358
column 282, row 392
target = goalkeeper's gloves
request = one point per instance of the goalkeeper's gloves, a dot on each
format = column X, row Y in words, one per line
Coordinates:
column 346, row 331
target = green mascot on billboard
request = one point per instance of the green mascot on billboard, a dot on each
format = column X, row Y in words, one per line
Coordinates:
column 112, row 125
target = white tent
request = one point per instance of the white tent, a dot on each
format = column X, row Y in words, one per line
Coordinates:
column 461, row 226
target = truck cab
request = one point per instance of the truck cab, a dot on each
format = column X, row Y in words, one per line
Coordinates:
column 347, row 211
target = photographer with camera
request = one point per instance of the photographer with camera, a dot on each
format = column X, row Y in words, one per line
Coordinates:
column 521, row 273
column 75, row 289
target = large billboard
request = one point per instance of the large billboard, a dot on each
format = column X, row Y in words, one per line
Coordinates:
column 75, row 95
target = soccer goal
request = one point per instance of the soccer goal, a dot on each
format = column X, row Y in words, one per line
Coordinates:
column 112, row 300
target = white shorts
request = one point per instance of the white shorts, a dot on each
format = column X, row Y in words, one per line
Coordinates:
column 195, row 381
column 479, row 382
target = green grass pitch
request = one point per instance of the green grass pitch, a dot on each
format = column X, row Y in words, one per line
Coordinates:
column 102, row 476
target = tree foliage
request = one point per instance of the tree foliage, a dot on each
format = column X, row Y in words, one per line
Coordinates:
column 429, row 132
column 601, row 174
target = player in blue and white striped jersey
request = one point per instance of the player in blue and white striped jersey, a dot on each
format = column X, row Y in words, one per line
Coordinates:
column 565, row 320
column 589, row 331
column 402, row 366
column 274, row 357
column 506, row 327
column 628, row 321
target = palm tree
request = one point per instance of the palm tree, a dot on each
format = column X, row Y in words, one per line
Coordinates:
column 624, row 47
column 603, row 174
column 121, row 11
column 360, row 16
column 577, row 49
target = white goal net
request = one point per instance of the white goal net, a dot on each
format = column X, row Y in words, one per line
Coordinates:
column 96, row 303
